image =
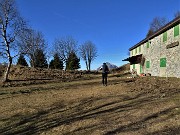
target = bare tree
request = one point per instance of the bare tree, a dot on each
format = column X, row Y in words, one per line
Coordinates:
column 150, row 32
column 156, row 24
column 88, row 53
column 177, row 14
column 30, row 42
column 49, row 55
column 64, row 46
column 11, row 25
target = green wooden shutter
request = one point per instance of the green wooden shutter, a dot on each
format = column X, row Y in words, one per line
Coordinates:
column 133, row 66
column 139, row 48
column 163, row 62
column 176, row 30
column 140, row 68
column 147, row 44
column 147, row 64
column 165, row 36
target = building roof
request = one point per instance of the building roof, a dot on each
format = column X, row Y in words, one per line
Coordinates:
column 172, row 23
column 133, row 58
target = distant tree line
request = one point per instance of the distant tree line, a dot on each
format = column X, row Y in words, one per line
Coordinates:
column 18, row 40
column 65, row 51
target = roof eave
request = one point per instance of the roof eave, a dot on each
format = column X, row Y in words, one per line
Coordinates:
column 158, row 32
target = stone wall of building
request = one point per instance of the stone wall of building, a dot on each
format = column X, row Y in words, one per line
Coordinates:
column 157, row 50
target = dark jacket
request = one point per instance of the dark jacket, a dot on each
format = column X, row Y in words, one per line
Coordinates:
column 105, row 68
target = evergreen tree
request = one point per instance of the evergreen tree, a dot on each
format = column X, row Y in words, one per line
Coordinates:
column 51, row 64
column 56, row 63
column 73, row 62
column 22, row 61
column 40, row 59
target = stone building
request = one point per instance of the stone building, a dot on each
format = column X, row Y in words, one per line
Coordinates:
column 158, row 54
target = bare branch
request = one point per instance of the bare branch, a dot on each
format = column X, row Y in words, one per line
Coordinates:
column 156, row 24
column 9, row 30
column 30, row 42
column 177, row 14
column 64, row 46
column 88, row 53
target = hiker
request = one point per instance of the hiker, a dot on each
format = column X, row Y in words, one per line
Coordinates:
column 105, row 71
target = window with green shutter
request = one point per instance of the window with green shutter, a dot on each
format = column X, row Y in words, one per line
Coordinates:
column 163, row 62
column 139, row 48
column 147, row 64
column 147, row 44
column 140, row 68
column 136, row 50
column 176, row 30
column 133, row 66
column 165, row 36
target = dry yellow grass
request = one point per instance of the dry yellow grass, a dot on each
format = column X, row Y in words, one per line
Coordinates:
column 125, row 107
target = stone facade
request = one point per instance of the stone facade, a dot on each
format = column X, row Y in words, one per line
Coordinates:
column 161, row 54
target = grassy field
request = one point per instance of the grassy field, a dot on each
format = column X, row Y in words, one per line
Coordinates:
column 143, row 106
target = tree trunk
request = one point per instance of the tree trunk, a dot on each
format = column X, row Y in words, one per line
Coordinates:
column 8, row 69
column 32, row 63
column 87, row 66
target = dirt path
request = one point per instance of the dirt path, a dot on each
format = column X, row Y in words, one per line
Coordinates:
column 124, row 107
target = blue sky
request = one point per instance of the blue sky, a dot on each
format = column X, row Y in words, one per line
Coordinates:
column 113, row 25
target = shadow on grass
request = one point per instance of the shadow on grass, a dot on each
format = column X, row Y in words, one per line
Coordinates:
column 135, row 126
column 167, row 131
column 59, row 114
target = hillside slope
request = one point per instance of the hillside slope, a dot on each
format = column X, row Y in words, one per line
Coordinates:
column 27, row 73
column 143, row 106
